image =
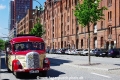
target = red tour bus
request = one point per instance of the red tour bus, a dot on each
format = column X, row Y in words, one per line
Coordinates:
column 26, row 54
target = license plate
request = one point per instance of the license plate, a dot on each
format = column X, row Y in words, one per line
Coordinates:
column 34, row 71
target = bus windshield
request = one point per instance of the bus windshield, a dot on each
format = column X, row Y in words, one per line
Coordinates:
column 29, row 46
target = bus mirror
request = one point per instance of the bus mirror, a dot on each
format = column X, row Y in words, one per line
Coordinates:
column 8, row 49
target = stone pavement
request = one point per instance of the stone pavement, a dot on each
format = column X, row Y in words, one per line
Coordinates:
column 85, row 65
column 94, row 66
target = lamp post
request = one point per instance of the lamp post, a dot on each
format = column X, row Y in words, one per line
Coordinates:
column 5, row 34
column 38, row 8
column 15, row 26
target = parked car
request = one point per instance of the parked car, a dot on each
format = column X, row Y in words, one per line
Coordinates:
column 71, row 51
column 113, row 53
column 58, row 51
column 63, row 51
column 74, row 51
column 85, row 52
column 92, row 52
column 97, row 52
column 67, row 51
column 79, row 51
column 104, row 53
column 52, row 51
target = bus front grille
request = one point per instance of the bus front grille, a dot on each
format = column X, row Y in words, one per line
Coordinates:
column 32, row 60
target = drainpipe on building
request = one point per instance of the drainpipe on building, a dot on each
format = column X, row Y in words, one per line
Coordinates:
column 115, row 42
column 52, row 25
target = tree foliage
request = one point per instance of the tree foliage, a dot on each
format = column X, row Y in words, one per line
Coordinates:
column 38, row 29
column 89, row 12
column 2, row 44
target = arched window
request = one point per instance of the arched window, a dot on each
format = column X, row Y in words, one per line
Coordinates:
column 102, row 42
column 81, row 43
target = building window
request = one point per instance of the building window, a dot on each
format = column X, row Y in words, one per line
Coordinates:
column 110, row 15
column 76, row 2
column 81, row 43
column 72, row 2
column 95, row 28
column 68, row 27
column 109, row 3
column 76, row 21
column 68, row 18
column 101, row 24
column 102, row 42
column 72, row 31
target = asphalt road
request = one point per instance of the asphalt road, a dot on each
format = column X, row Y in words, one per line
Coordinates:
column 60, row 71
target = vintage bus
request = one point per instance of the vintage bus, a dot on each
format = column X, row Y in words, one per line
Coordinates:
column 26, row 54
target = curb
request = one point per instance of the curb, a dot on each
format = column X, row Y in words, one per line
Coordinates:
column 85, row 67
column 76, row 66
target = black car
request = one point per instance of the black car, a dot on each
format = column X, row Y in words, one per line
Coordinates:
column 63, row 51
column 97, row 52
column 104, row 53
column 113, row 53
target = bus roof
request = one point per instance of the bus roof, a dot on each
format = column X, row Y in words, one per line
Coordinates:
column 26, row 39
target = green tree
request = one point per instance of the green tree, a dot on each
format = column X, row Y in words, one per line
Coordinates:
column 2, row 44
column 88, row 13
column 38, row 29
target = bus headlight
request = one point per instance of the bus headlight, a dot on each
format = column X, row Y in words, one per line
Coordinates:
column 45, row 61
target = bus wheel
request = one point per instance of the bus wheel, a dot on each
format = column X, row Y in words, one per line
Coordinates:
column 44, row 73
column 16, row 73
column 8, row 70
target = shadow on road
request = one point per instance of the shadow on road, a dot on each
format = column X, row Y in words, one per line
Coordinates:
column 51, row 73
column 117, row 64
column 58, row 62
column 54, row 73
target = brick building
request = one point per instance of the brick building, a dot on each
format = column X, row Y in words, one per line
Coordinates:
column 24, row 26
column 60, row 23
column 62, row 29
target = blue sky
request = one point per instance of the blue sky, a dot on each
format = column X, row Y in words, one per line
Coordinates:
column 4, row 15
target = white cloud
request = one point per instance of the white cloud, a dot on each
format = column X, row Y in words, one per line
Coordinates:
column 2, row 6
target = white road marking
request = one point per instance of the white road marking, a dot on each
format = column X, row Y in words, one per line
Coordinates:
column 100, row 75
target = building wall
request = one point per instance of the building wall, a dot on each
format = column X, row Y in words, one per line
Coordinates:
column 20, row 8
column 11, row 16
column 26, row 24
column 103, row 34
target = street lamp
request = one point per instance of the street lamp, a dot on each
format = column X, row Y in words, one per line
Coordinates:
column 38, row 8
column 15, row 26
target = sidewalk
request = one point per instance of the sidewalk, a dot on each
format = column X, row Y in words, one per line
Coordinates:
column 94, row 66
column 85, row 65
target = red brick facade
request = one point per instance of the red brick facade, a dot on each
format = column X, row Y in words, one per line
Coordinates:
column 62, row 29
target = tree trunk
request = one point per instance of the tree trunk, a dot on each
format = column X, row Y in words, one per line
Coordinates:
column 89, row 43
